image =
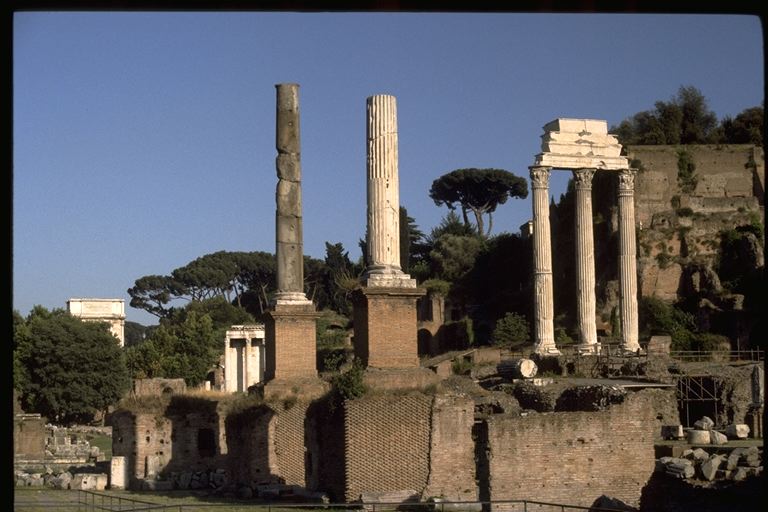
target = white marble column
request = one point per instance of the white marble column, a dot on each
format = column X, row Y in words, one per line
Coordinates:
column 543, row 302
column 383, row 236
column 627, row 261
column 585, row 262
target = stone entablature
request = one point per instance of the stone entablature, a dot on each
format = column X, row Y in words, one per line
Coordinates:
column 111, row 311
column 580, row 144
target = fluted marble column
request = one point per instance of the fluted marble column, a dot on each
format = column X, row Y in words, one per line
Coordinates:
column 627, row 261
column 289, row 250
column 543, row 302
column 383, row 237
column 585, row 261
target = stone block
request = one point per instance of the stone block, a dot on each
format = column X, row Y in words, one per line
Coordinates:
column 705, row 423
column 89, row 481
column 118, row 472
column 708, row 468
column 698, row 437
column 288, row 167
column 672, row 432
column 718, row 438
column 737, row 431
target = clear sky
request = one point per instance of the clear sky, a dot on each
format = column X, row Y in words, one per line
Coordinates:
column 142, row 141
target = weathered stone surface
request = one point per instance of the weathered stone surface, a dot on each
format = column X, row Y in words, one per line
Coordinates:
column 288, row 167
column 383, row 183
column 718, row 438
column 698, row 437
column 705, row 423
column 89, row 481
column 543, row 301
column 672, row 432
column 708, row 468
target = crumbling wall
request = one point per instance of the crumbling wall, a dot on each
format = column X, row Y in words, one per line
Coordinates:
column 144, row 439
column 451, row 449
column 29, row 436
column 251, row 452
column 727, row 178
column 387, row 443
column 574, row 457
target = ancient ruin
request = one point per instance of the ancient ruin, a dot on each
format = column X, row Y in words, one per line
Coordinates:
column 290, row 327
column 585, row 147
column 111, row 311
column 481, row 428
column 244, row 357
column 385, row 307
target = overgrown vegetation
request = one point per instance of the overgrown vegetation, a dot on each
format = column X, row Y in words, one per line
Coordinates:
column 512, row 331
column 686, row 172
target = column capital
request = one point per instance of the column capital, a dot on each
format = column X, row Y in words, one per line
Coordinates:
column 582, row 178
column 540, row 176
column 627, row 181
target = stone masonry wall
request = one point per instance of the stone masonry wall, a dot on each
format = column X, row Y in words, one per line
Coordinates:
column 574, row 457
column 724, row 172
column 387, row 443
column 452, row 451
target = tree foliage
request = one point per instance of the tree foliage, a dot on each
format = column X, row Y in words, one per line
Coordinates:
column 512, row 331
column 687, row 119
column 69, row 369
column 480, row 191
column 187, row 347
column 746, row 128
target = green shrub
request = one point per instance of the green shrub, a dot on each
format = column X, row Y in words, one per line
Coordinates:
column 512, row 331
column 686, row 172
column 349, row 385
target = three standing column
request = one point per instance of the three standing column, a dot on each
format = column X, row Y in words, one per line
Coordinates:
column 585, row 262
column 544, row 338
column 627, row 261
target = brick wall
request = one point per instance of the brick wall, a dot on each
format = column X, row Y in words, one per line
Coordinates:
column 386, row 443
column 137, row 436
column 290, row 436
column 385, row 327
column 294, row 353
column 451, row 450
column 574, row 457
column 251, row 454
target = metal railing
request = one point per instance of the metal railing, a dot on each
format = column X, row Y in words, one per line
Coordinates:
column 753, row 355
column 91, row 501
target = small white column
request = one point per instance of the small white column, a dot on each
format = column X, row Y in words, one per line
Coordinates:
column 543, row 302
column 627, row 261
column 585, row 262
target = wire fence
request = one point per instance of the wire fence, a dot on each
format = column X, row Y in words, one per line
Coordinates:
column 91, row 501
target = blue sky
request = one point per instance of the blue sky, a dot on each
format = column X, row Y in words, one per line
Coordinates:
column 145, row 140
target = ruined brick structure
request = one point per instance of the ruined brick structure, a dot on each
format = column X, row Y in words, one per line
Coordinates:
column 429, row 444
column 574, row 457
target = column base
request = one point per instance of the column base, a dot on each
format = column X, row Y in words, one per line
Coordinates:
column 629, row 350
column 588, row 349
column 546, row 350
column 385, row 326
column 291, row 341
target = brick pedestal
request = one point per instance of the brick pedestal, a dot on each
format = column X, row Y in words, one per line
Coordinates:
column 385, row 326
column 291, row 346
